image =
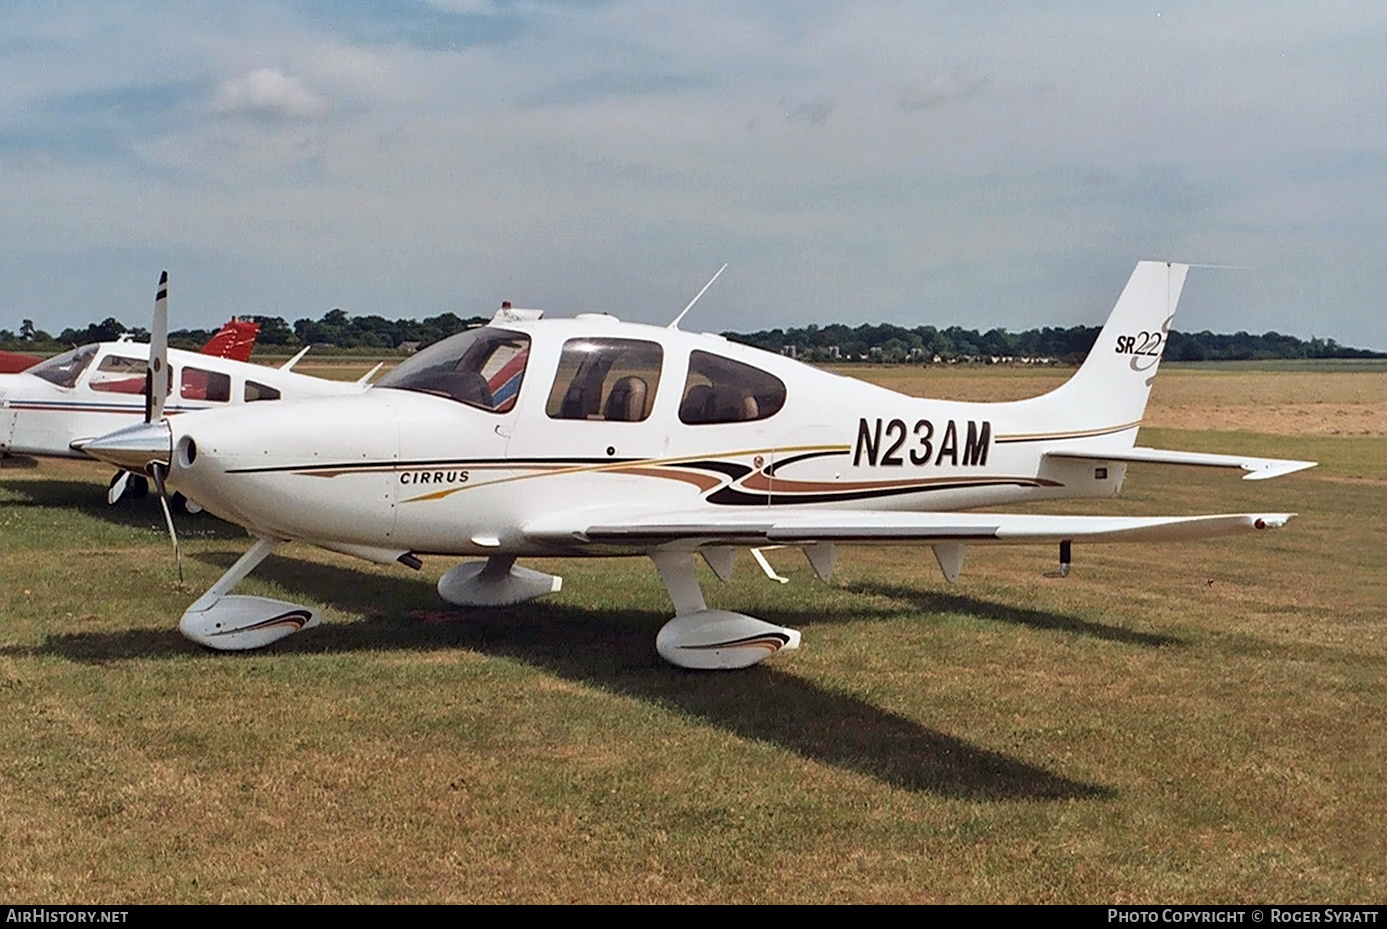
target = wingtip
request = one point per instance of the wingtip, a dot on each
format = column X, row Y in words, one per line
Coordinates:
column 1273, row 520
column 1262, row 471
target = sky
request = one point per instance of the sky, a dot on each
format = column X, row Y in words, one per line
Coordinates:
column 980, row 165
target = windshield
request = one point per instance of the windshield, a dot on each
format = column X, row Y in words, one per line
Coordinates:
column 65, row 369
column 481, row 367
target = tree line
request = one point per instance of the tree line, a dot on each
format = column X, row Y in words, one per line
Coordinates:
column 888, row 343
column 335, row 328
column 881, row 342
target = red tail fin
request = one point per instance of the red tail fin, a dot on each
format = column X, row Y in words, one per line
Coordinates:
column 235, row 340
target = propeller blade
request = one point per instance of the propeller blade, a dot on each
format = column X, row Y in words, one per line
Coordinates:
column 158, row 471
column 157, row 377
column 117, row 487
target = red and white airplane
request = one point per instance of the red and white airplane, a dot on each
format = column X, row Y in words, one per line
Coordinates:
column 53, row 407
column 234, row 340
column 590, row 437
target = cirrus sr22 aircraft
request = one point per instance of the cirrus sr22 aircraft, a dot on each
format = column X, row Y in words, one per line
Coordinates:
column 591, row 437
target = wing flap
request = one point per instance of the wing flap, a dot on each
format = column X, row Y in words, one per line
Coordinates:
column 1258, row 469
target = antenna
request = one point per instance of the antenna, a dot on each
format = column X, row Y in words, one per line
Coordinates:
column 675, row 324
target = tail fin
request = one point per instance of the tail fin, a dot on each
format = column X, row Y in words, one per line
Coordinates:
column 1108, row 393
column 235, row 340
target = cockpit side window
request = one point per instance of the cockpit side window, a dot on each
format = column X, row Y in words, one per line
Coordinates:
column 119, row 374
column 720, row 390
column 481, row 367
column 612, row 380
column 65, row 369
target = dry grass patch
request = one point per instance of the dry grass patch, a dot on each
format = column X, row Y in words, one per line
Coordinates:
column 1339, row 400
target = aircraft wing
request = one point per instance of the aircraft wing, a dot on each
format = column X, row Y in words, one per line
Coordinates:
column 14, row 362
column 1258, row 469
column 791, row 526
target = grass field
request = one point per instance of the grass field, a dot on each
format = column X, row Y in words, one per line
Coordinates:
column 1184, row 723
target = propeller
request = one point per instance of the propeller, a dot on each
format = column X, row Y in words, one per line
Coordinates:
column 117, row 488
column 158, row 471
column 158, row 362
column 158, row 383
column 158, row 369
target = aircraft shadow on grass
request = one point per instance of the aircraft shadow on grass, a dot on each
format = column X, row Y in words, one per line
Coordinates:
column 89, row 500
column 934, row 601
column 611, row 650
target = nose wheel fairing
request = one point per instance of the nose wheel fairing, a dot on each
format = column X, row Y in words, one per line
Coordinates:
column 238, row 622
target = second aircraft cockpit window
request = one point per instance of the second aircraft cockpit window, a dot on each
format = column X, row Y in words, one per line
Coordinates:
column 480, row 367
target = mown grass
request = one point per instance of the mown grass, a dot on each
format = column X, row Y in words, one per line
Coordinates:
column 1199, row 722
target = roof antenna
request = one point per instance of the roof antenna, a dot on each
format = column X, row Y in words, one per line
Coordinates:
column 675, row 324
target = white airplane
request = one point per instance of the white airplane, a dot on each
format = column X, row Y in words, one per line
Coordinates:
column 54, row 407
column 590, row 437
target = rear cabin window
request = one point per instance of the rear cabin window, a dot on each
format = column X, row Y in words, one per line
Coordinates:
column 610, row 380
column 256, row 391
column 210, row 386
column 720, row 390
column 481, row 367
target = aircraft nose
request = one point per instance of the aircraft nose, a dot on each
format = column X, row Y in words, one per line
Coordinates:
column 134, row 448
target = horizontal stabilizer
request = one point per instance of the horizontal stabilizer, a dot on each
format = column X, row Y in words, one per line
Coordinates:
column 802, row 527
column 1258, row 469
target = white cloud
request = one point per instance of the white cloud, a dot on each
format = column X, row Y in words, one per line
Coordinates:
column 266, row 92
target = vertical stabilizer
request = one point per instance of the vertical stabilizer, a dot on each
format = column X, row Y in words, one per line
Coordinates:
column 1108, row 393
